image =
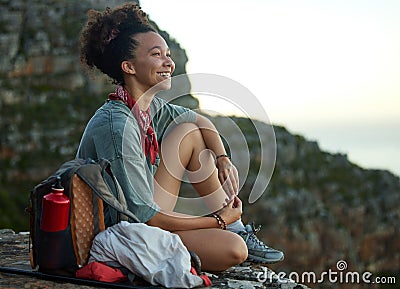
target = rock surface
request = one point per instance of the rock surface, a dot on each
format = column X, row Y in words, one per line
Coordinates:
column 14, row 253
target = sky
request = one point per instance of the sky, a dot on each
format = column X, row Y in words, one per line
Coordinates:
column 327, row 70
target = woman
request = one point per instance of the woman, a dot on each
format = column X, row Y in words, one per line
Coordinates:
column 151, row 143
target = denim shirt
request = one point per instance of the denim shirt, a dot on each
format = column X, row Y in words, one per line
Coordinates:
column 114, row 134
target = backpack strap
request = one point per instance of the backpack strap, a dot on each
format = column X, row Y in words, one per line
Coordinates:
column 93, row 174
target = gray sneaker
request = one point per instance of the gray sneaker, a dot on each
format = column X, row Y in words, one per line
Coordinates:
column 258, row 251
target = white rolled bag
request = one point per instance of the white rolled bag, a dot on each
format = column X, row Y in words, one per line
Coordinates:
column 153, row 254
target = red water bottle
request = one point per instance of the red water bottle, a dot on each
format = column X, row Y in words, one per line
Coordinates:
column 55, row 209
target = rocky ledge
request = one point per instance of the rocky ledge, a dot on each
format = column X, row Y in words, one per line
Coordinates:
column 14, row 253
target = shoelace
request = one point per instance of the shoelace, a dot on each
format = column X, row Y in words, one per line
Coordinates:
column 252, row 236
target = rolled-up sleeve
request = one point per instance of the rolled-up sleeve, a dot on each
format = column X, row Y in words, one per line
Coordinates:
column 114, row 134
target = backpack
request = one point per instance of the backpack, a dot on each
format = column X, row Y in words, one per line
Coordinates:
column 64, row 251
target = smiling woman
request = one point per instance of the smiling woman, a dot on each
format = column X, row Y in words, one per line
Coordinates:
column 127, row 131
column 151, row 143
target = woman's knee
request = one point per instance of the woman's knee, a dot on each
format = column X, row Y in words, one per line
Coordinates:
column 190, row 134
column 178, row 146
column 183, row 140
column 183, row 131
column 238, row 250
column 186, row 143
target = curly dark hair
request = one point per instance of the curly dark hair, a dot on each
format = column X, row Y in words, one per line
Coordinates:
column 107, row 38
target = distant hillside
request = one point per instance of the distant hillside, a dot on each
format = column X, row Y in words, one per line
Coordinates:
column 319, row 208
column 45, row 97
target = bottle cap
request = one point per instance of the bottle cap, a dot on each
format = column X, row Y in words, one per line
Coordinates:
column 57, row 185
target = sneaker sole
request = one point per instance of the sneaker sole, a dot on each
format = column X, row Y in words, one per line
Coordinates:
column 261, row 260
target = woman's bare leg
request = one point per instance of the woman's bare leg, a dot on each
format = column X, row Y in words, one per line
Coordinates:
column 183, row 150
column 218, row 250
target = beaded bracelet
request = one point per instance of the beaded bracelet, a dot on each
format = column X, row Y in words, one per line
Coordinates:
column 220, row 156
column 223, row 155
column 221, row 222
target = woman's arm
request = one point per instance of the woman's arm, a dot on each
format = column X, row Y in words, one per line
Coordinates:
column 227, row 172
column 172, row 221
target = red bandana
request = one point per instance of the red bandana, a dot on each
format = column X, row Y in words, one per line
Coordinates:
column 148, row 136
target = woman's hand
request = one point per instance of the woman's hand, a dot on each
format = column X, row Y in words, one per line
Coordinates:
column 233, row 211
column 228, row 177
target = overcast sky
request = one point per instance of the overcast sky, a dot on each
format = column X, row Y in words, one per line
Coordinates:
column 329, row 70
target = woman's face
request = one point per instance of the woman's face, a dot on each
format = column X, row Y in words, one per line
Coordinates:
column 152, row 63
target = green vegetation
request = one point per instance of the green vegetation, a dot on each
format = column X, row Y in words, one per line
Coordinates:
column 36, row 137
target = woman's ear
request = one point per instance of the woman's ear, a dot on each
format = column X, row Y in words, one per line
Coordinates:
column 128, row 67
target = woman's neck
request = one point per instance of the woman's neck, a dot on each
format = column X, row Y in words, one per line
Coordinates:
column 142, row 98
